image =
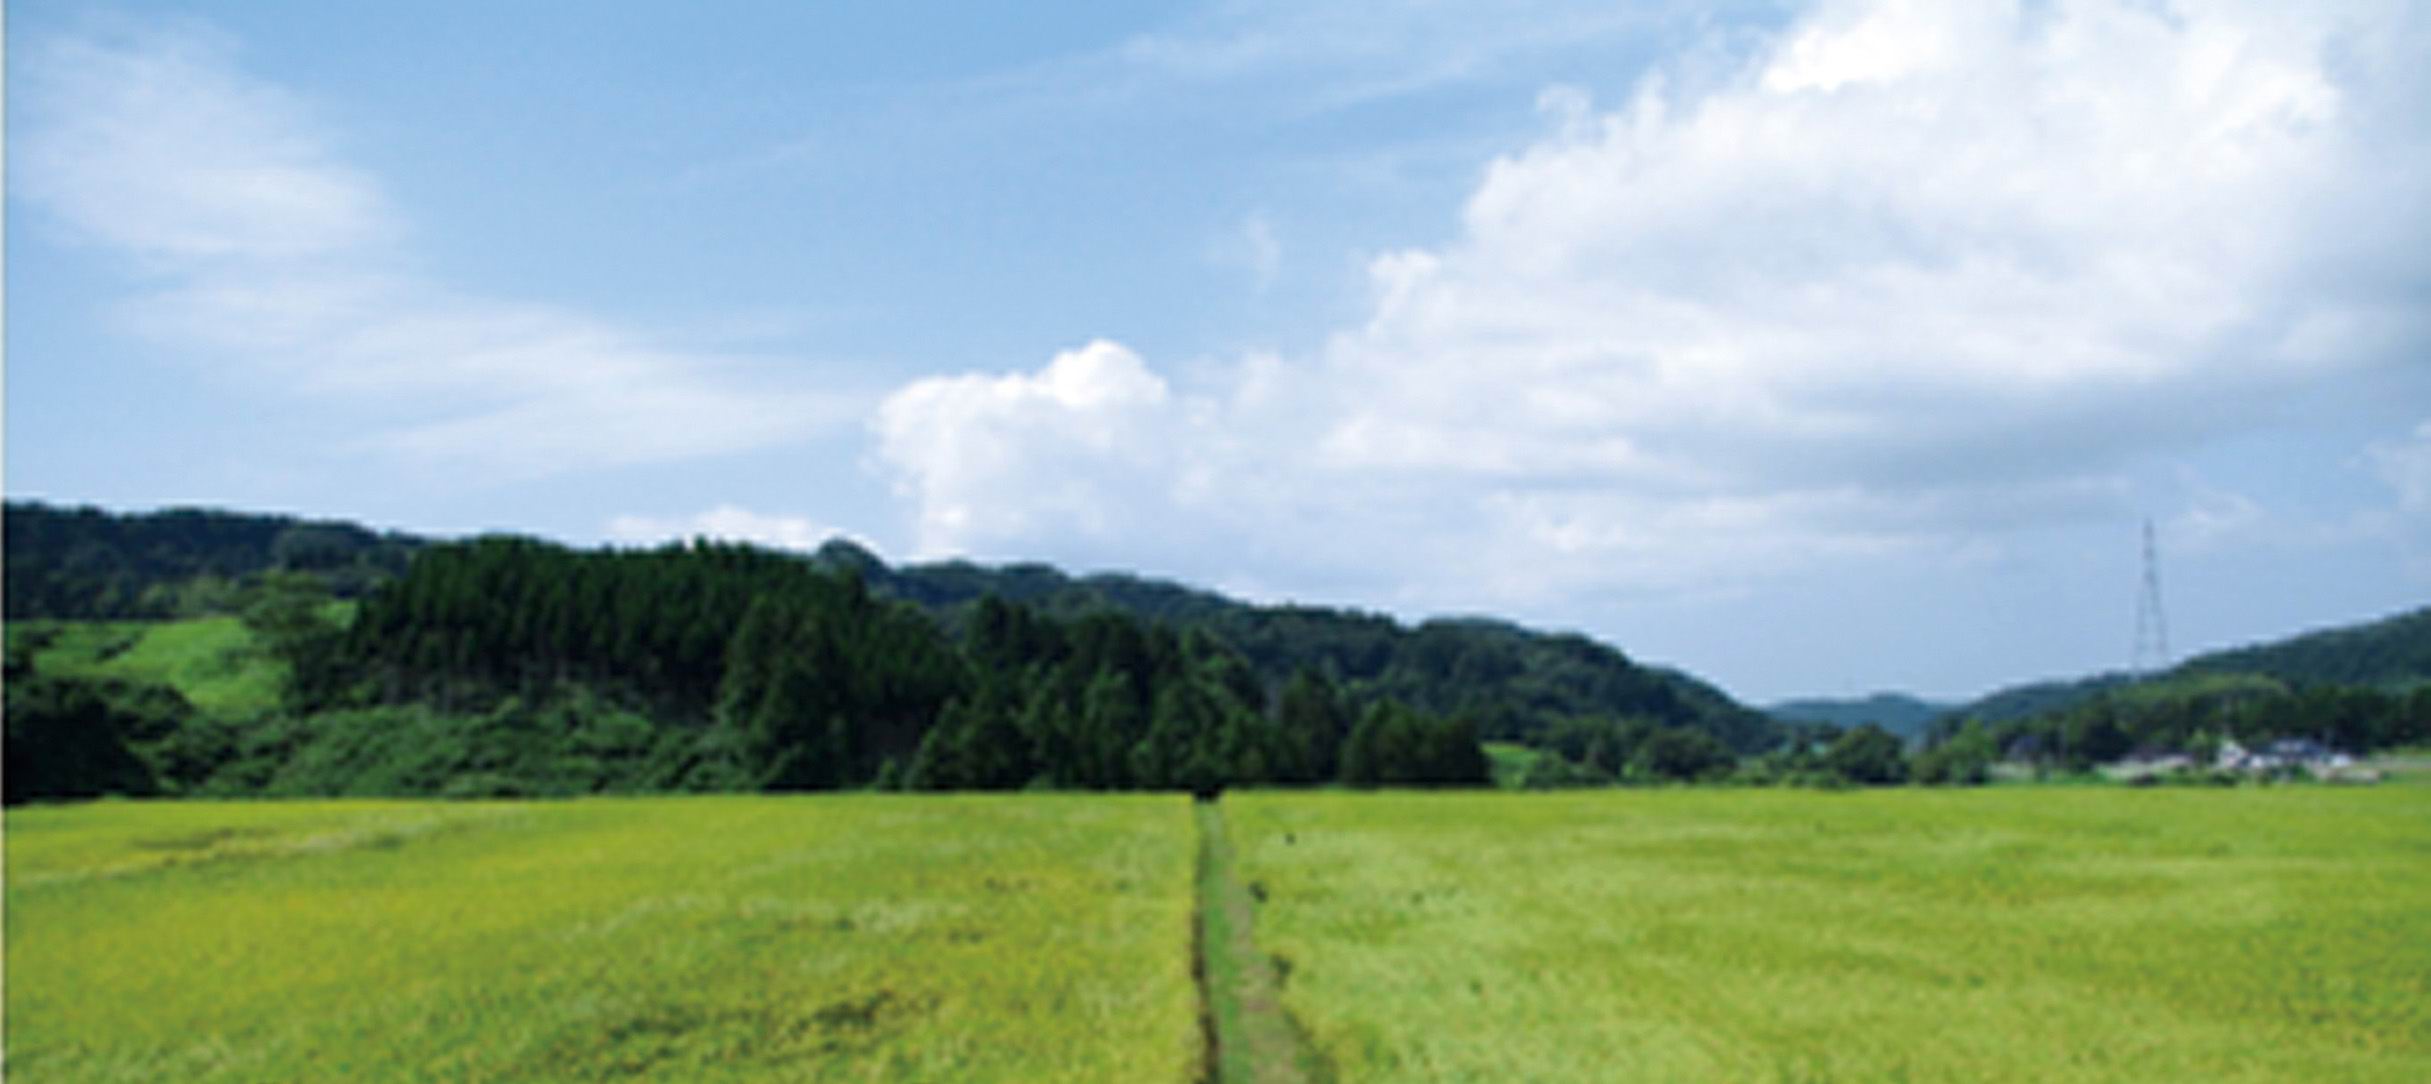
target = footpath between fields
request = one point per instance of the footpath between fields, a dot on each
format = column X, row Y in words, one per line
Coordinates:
column 1250, row 1038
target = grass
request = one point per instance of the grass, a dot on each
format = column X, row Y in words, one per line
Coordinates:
column 1510, row 762
column 2009, row 934
column 1254, row 1042
column 2405, row 767
column 836, row 938
column 213, row 661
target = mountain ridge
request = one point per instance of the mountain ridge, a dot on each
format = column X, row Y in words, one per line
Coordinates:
column 1516, row 680
column 1897, row 712
column 82, row 562
column 2391, row 653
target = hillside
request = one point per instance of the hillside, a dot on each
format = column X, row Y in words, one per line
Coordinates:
column 2392, row 654
column 215, row 662
column 1518, row 681
column 513, row 665
column 1899, row 713
column 88, row 564
column 2038, row 697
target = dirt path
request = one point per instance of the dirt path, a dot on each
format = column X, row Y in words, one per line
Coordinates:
column 1252, row 1040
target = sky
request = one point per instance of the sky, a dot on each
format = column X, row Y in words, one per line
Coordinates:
column 1816, row 349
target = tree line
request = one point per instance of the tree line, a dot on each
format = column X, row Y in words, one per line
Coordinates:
column 2194, row 713
column 1514, row 683
column 89, row 564
column 1591, row 752
column 507, row 665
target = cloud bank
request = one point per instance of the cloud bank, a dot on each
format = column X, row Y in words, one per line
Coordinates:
column 1914, row 276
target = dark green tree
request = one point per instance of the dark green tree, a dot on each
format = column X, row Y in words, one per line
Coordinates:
column 1963, row 759
column 1679, row 754
column 1313, row 723
column 67, row 739
column 1111, row 723
column 1867, row 755
column 288, row 613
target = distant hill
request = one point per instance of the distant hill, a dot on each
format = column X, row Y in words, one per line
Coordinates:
column 85, row 564
column 1518, row 681
column 2392, row 654
column 1898, row 713
column 2038, row 697
column 88, row 564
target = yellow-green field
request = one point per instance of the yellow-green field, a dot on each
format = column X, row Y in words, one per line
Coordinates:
column 2006, row 934
column 701, row 939
column 2011, row 934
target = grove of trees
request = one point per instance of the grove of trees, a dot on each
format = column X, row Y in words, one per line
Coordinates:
column 506, row 665
column 513, row 666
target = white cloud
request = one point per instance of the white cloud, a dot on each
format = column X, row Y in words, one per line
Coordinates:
column 1916, row 274
column 156, row 146
column 261, row 246
column 1067, row 450
column 725, row 522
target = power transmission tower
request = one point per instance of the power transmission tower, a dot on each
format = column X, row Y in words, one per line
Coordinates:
column 2152, row 623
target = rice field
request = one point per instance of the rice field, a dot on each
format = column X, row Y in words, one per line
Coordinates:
column 2005, row 934
column 698, row 939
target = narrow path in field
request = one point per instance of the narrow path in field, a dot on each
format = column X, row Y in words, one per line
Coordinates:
column 1251, row 1040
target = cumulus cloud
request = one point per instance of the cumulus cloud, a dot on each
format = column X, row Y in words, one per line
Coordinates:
column 726, row 522
column 253, row 238
column 1070, row 450
column 1908, row 225
column 1915, row 274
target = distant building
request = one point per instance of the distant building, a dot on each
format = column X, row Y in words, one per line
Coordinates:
column 2157, row 762
column 2284, row 754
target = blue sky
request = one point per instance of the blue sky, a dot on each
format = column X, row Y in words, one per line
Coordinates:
column 1816, row 349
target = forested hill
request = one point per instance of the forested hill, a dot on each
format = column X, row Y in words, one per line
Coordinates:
column 1514, row 683
column 1898, row 713
column 2392, row 654
column 87, row 564
column 1517, row 682
column 2037, row 698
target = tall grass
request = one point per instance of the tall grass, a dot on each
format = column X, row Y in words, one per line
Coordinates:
column 1997, row 935
column 701, row 939
column 214, row 661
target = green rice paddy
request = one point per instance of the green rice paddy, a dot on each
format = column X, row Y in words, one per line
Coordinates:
column 699, row 939
column 2003, row 934
column 2009, row 934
